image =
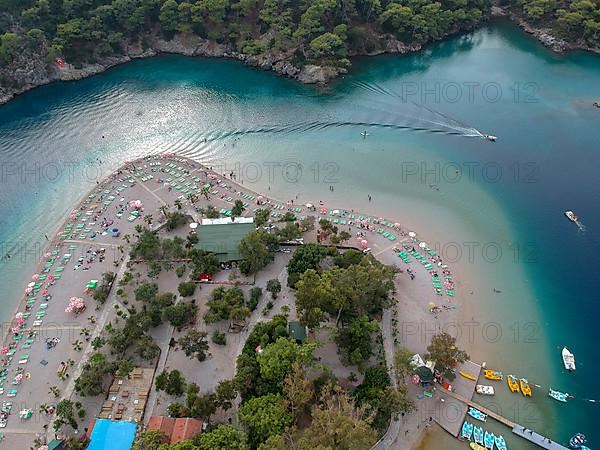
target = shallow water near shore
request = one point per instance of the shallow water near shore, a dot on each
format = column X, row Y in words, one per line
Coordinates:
column 499, row 220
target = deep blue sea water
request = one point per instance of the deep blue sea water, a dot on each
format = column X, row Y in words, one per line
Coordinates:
column 507, row 197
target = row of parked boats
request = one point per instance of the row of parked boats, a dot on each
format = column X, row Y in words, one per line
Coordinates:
column 482, row 439
column 516, row 385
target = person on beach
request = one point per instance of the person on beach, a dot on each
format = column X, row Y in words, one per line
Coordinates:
column 369, row 197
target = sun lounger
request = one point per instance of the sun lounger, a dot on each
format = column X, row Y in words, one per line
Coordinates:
column 11, row 393
column 37, row 323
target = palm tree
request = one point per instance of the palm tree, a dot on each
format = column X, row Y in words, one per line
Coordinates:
column 53, row 390
column 148, row 219
column 77, row 345
column 163, row 209
column 178, row 203
column 193, row 198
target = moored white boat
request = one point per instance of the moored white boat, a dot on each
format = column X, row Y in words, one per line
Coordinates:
column 568, row 359
column 484, row 390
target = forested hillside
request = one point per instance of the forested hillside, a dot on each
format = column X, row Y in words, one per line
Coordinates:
column 576, row 21
column 323, row 31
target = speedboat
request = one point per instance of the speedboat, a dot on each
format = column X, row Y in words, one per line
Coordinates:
column 364, row 133
column 484, row 390
column 488, row 440
column 513, row 384
column 489, row 137
column 568, row 359
column 492, row 375
column 476, row 414
column 596, row 104
column 500, row 442
column 560, row 396
column 478, row 435
column 475, row 446
column 467, row 430
column 525, row 388
column 571, row 216
column 577, row 440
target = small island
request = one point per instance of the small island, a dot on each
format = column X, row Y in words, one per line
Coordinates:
column 173, row 298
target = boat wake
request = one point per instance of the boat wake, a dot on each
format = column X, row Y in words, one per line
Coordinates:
column 402, row 111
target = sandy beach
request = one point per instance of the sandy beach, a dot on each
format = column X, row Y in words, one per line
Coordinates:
column 86, row 246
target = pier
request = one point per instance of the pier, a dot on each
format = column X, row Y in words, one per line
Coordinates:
column 490, row 413
column 537, row 439
column 460, row 399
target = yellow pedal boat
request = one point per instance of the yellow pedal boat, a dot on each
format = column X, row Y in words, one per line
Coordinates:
column 476, row 446
column 492, row 375
column 525, row 388
column 513, row 384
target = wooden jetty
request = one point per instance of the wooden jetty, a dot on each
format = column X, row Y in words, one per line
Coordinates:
column 490, row 413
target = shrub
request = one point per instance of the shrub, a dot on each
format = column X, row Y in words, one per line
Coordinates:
column 219, row 338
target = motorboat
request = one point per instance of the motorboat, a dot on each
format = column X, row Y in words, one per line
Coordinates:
column 525, row 388
column 489, row 137
column 513, row 384
column 364, row 133
column 484, row 390
column 476, row 414
column 568, row 359
column 492, row 375
column 577, row 440
column 478, row 435
column 467, row 430
column 556, row 395
column 500, row 442
column 596, row 104
column 571, row 216
column 488, row 440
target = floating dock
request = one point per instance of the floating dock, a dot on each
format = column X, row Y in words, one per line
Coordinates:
column 537, row 439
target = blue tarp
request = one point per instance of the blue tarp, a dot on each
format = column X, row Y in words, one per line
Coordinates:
column 112, row 435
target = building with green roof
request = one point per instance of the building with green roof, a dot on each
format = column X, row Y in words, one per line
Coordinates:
column 222, row 236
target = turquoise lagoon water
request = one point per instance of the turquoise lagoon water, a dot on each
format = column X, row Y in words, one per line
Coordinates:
column 505, row 203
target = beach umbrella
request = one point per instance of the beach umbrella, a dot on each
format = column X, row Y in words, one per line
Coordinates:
column 323, row 211
column 19, row 315
column 28, row 290
column 32, row 284
column 4, row 350
column 431, row 305
column 363, row 222
column 47, row 255
column 396, row 225
column 166, row 185
column 15, row 330
column 422, row 244
column 35, row 276
column 20, row 321
column 193, row 225
column 381, row 219
column 416, row 379
column 309, row 205
column 51, row 277
column 44, row 292
column 364, row 244
column 115, row 230
column 412, row 234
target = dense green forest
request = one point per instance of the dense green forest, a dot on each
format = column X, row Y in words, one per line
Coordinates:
column 573, row 20
column 312, row 30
